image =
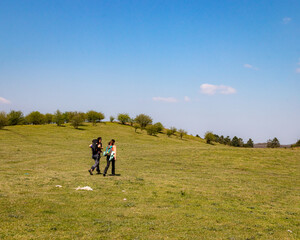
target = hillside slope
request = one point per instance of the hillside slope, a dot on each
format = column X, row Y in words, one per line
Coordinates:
column 167, row 188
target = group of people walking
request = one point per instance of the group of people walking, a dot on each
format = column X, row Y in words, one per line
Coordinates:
column 110, row 153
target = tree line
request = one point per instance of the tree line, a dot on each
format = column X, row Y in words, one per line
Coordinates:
column 76, row 119
column 141, row 121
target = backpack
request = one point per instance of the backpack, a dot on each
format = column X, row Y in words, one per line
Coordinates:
column 107, row 151
column 95, row 148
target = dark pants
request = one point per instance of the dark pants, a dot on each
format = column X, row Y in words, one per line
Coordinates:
column 97, row 162
column 112, row 165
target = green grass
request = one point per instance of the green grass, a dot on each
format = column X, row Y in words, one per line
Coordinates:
column 175, row 189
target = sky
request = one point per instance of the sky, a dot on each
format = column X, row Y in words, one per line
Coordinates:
column 231, row 67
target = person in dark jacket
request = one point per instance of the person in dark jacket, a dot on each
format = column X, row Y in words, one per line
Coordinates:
column 96, row 155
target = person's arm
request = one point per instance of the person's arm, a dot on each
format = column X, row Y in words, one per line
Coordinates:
column 114, row 148
column 90, row 145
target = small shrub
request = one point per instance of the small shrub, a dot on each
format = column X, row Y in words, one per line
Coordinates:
column 111, row 119
column 209, row 137
column 169, row 132
column 151, row 130
column 174, row 130
column 136, row 126
column 93, row 116
column 273, row 143
column 159, row 127
column 77, row 119
column 182, row 133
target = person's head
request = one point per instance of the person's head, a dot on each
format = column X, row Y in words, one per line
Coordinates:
column 112, row 141
column 99, row 139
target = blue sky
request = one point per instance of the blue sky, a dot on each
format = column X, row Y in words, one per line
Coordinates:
column 232, row 67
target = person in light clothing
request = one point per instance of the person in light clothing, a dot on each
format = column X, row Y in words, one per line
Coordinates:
column 111, row 157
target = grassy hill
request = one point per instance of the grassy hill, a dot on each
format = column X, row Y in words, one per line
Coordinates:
column 167, row 189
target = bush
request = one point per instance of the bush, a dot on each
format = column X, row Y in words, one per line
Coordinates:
column 77, row 119
column 123, row 118
column 93, row 116
column 3, row 120
column 143, row 120
column 159, row 127
column 169, row 132
column 131, row 121
column 49, row 118
column 182, row 133
column 237, row 142
column 111, row 118
column 273, row 143
column 227, row 141
column 58, row 118
column 151, row 130
column 35, row 118
column 136, row 126
column 297, row 144
column 15, row 118
column 209, row 137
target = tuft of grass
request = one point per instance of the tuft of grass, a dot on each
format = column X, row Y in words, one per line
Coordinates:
column 174, row 189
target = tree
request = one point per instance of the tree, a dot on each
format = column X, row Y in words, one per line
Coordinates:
column 250, row 143
column 15, row 118
column 48, row 118
column 235, row 142
column 216, row 137
column 197, row 136
column 77, row 119
column 151, row 130
column 273, row 143
column 111, row 118
column 123, row 118
column 93, row 116
column 159, row 127
column 3, row 120
column 221, row 139
column 173, row 129
column 209, row 137
column 35, row 118
column 169, row 132
column 143, row 120
column 227, row 141
column 182, row 133
column 58, row 118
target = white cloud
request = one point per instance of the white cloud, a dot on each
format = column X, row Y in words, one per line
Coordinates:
column 246, row 65
column 165, row 99
column 210, row 89
column 286, row 20
column 4, row 101
column 187, row 99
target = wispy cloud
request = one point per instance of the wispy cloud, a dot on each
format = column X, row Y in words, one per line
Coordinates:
column 4, row 101
column 187, row 99
column 286, row 20
column 247, row 65
column 211, row 89
column 165, row 99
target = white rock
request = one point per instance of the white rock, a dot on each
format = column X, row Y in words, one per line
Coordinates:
column 124, row 199
column 289, row 231
column 58, row 186
column 87, row 188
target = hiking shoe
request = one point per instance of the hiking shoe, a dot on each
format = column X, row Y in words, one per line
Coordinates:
column 104, row 174
column 90, row 171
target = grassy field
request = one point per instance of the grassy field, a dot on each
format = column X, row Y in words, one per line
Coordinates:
column 167, row 189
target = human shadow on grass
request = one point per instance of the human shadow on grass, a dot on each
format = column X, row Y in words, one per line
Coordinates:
column 115, row 174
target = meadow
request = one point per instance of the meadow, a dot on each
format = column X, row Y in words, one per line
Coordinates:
column 166, row 188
